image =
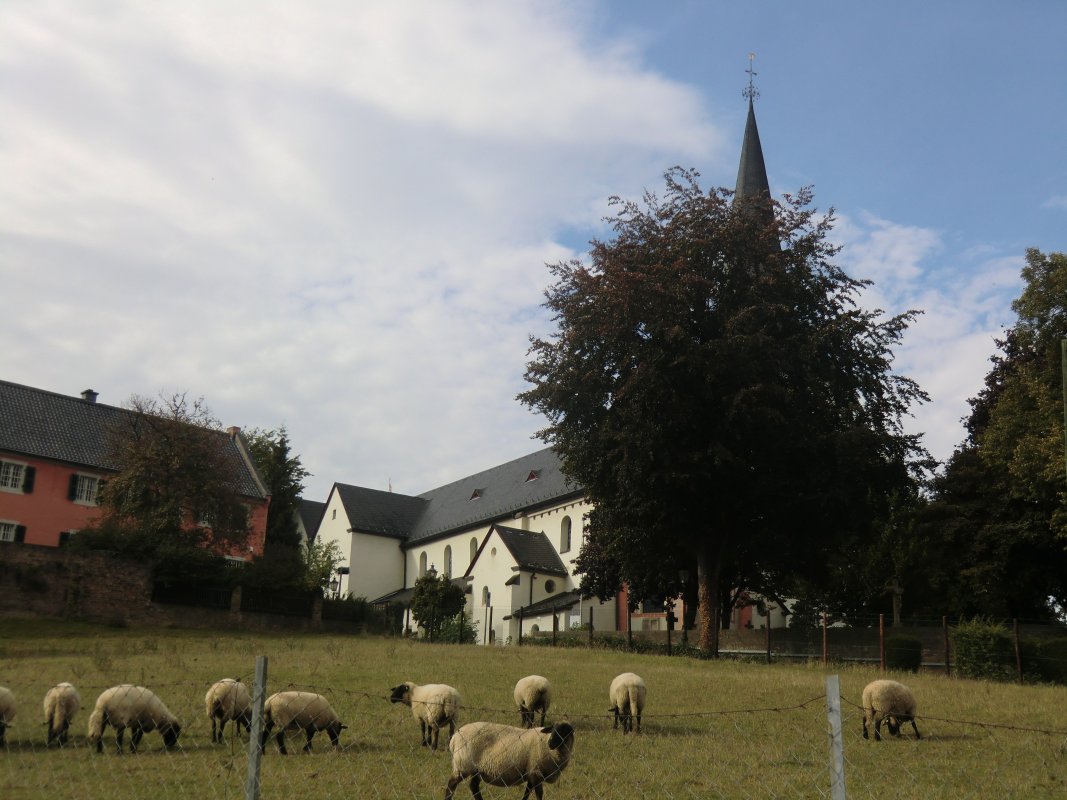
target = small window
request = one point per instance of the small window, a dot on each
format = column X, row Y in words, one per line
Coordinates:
column 550, row 586
column 448, row 561
column 12, row 531
column 474, row 548
column 476, row 494
column 534, row 475
column 12, row 476
column 565, row 535
column 422, row 564
column 84, row 489
column 334, row 514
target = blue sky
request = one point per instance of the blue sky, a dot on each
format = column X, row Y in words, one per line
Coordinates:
column 335, row 216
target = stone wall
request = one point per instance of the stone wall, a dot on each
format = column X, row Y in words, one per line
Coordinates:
column 38, row 581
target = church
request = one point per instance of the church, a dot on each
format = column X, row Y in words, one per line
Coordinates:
column 508, row 535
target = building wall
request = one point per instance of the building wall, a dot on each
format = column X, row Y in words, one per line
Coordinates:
column 46, row 511
column 376, row 565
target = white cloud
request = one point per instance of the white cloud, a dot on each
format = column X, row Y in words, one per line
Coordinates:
column 1056, row 201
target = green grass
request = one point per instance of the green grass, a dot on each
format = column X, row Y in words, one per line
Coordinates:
column 710, row 728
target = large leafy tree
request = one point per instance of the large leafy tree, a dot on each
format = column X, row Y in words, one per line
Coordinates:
column 177, row 484
column 717, row 391
column 999, row 512
column 434, row 602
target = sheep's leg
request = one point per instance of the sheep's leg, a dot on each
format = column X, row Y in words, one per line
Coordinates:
column 638, row 721
column 453, row 782
column 451, row 729
column 280, row 739
column 542, row 719
column 135, row 739
column 51, row 733
column 476, row 786
column 309, row 731
column 64, row 733
column 916, row 729
column 214, row 734
column 422, row 728
column 616, row 724
column 120, row 734
column 878, row 729
column 265, row 735
column 436, row 736
column 537, row 790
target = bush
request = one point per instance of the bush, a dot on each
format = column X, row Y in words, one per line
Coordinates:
column 903, row 653
column 1045, row 660
column 457, row 630
column 983, row 649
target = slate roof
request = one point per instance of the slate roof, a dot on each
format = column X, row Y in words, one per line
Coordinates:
column 310, row 512
column 557, row 602
column 380, row 513
column 493, row 494
column 531, row 550
column 73, row 430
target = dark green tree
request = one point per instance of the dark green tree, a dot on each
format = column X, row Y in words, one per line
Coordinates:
column 284, row 475
column 999, row 513
column 176, row 484
column 717, row 391
column 435, row 601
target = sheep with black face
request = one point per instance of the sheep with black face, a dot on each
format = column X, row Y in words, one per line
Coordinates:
column 502, row 755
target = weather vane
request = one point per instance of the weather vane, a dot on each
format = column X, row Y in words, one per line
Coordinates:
column 750, row 92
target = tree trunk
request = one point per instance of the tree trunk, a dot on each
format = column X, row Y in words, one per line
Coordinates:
column 709, row 570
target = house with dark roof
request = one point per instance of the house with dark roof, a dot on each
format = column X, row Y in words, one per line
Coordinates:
column 55, row 453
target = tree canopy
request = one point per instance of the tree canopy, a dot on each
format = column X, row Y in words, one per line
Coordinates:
column 284, row 475
column 177, row 485
column 714, row 386
column 434, row 602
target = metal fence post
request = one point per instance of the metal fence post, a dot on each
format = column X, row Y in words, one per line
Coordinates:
column 520, row 627
column 555, row 626
column 837, row 748
column 590, row 626
column 255, row 748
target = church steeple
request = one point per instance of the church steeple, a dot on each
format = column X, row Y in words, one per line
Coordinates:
column 753, row 188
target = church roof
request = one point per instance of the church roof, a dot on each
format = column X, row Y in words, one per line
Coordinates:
column 752, row 183
column 377, row 512
column 531, row 550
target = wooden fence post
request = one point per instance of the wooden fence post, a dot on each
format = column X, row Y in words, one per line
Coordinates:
column 944, row 633
column 555, row 626
column 768, row 618
column 1018, row 653
column 837, row 749
column 520, row 627
column 590, row 626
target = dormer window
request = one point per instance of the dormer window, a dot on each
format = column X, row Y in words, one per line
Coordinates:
column 534, row 475
column 476, row 494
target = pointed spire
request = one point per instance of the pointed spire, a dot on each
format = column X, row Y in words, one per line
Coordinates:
column 753, row 188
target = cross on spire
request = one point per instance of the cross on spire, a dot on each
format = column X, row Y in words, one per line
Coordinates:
column 750, row 92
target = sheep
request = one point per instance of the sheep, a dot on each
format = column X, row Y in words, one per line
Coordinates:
column 7, row 710
column 532, row 693
column 305, row 710
column 432, row 705
column 61, row 703
column 502, row 755
column 134, row 707
column 890, row 701
column 227, row 699
column 627, row 695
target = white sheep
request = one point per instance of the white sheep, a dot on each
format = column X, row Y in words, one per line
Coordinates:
column 7, row 710
column 889, row 701
column 307, row 711
column 134, row 707
column 61, row 703
column 532, row 694
column 502, row 755
column 627, row 693
column 228, row 699
column 432, row 704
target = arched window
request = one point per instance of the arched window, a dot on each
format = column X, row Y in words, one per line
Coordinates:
column 565, row 535
column 422, row 564
column 474, row 548
column 448, row 561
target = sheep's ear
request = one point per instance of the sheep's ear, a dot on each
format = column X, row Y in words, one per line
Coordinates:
column 344, row 727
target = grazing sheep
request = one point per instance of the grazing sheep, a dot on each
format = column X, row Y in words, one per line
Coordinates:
column 134, row 707
column 502, row 755
column 532, row 694
column 7, row 710
column 227, row 699
column 432, row 705
column 307, row 711
column 61, row 703
column 890, row 701
column 627, row 695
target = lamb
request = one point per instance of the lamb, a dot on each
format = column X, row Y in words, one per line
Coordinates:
column 627, row 695
column 61, row 703
column 432, row 705
column 502, row 755
column 532, row 694
column 890, row 701
column 305, row 710
column 134, row 707
column 7, row 710
column 227, row 699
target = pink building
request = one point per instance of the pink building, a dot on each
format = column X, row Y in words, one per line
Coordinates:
column 54, row 455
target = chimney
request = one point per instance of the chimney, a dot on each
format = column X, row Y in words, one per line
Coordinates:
column 233, row 430
column 89, row 396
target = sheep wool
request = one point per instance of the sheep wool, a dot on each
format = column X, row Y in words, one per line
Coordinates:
column 61, row 703
column 7, row 711
column 532, row 694
column 307, row 711
column 502, row 755
column 226, row 700
column 891, row 702
column 432, row 704
column 133, row 707
column 627, row 693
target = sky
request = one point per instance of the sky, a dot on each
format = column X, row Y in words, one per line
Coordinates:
column 336, row 216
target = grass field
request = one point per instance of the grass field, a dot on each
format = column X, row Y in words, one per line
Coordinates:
column 711, row 729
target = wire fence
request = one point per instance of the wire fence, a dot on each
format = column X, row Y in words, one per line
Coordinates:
column 716, row 748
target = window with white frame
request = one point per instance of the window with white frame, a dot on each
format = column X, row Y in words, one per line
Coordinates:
column 565, row 535
column 422, row 564
column 474, row 548
column 85, row 489
column 12, row 476
column 7, row 531
column 448, row 560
